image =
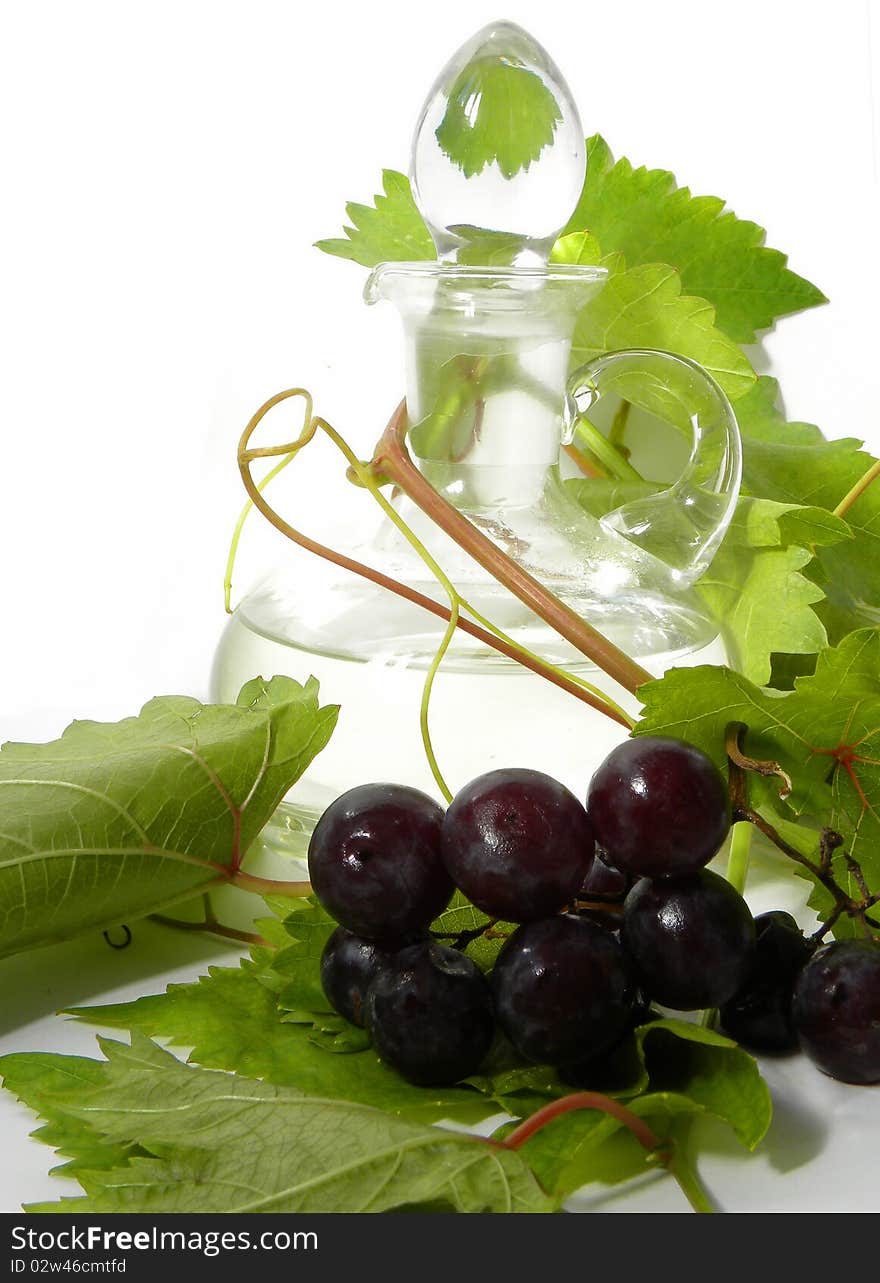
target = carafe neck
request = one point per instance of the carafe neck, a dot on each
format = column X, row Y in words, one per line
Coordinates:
column 487, row 356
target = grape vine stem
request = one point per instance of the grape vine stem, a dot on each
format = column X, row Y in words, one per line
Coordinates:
column 585, row 1100
column 209, row 923
column 392, row 462
column 247, row 455
column 821, row 870
column 740, row 762
column 269, row 886
column 672, row 1156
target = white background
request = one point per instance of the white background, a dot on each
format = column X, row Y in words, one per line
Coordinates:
column 166, row 168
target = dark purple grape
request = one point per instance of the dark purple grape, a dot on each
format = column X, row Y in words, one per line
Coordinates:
column 348, row 966
column 603, row 881
column 658, row 807
column 563, row 990
column 615, row 1066
column 375, row 863
column 836, row 1010
column 605, row 889
column 692, row 939
column 517, row 843
column 759, row 1014
column 429, row 1013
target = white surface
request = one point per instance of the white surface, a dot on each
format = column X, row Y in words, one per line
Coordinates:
column 167, row 167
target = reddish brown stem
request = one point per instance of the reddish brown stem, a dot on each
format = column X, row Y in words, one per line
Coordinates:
column 583, row 463
column 820, row 874
column 585, row 1100
column 392, row 461
column 673, row 1156
column 246, row 457
column 843, row 903
column 758, row 767
column 855, row 869
column 210, row 928
column 269, row 886
column 829, row 840
column 602, row 906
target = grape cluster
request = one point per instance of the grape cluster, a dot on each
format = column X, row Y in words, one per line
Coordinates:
column 606, row 908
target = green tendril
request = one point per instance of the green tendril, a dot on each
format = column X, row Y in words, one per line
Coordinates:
column 553, row 668
column 364, row 476
column 261, row 486
column 427, row 688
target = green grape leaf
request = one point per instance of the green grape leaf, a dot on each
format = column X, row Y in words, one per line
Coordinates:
column 601, row 495
column 682, row 1070
column 390, row 231
column 216, row 1142
column 293, row 972
column 498, row 112
column 793, row 463
column 825, row 734
column 711, row 1070
column 579, row 248
column 36, row 1078
column 116, row 820
column 456, row 391
column 481, row 248
column 790, row 575
column 231, row 1021
column 755, row 586
column 459, row 922
column 298, row 963
column 760, row 418
column 269, row 1019
column 764, row 605
column 643, row 307
column 590, row 1146
column 330, row 1032
column 643, row 214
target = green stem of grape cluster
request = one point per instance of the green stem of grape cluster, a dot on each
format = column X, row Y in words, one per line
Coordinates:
column 608, row 455
column 739, row 855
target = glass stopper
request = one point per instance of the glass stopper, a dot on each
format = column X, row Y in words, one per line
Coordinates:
column 498, row 155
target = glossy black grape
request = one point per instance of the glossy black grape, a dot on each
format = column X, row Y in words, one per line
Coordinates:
column 605, row 888
column 563, row 989
column 429, row 1013
column 517, row 843
column 348, row 966
column 603, row 881
column 759, row 1014
column 658, row 807
column 692, row 939
column 836, row 1010
column 375, row 862
column 616, row 1066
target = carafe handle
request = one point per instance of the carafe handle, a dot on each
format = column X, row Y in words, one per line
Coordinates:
column 684, row 524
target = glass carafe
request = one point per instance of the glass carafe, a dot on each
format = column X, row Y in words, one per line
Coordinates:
column 491, row 399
